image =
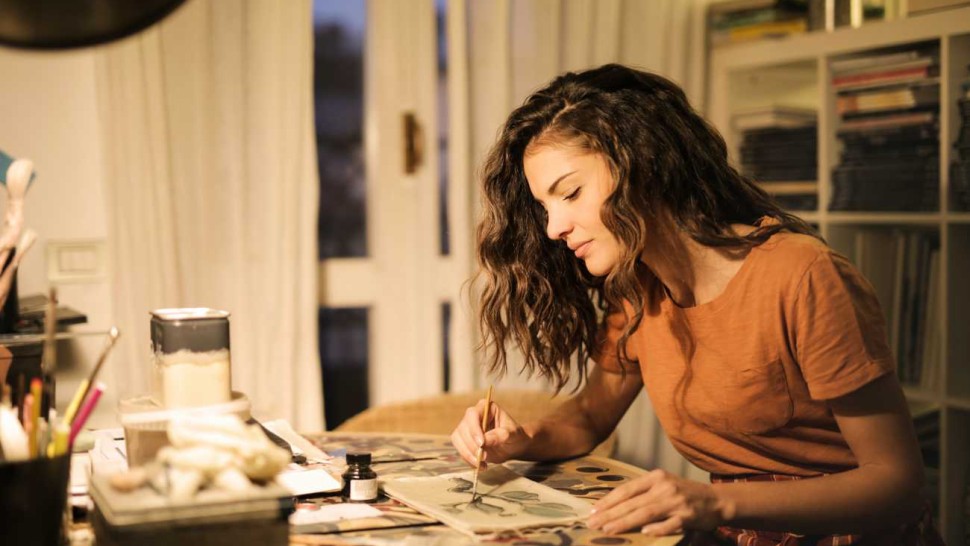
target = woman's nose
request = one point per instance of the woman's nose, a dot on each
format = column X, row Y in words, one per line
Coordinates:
column 558, row 225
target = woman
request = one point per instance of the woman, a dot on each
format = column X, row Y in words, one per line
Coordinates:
column 614, row 229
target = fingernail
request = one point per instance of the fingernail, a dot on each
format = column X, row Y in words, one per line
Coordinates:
column 592, row 511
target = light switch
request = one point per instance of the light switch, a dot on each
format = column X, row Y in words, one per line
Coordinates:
column 76, row 260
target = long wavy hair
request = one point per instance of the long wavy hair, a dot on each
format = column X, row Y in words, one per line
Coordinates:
column 671, row 174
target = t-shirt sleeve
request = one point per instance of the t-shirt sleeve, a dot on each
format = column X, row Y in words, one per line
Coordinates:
column 608, row 339
column 838, row 329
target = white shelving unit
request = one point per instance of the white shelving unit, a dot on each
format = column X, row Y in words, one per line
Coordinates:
column 795, row 71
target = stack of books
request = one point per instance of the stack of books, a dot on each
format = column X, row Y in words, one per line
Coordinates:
column 960, row 168
column 779, row 148
column 888, row 106
column 736, row 21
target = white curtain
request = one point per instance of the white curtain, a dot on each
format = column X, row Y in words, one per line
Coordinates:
column 212, row 191
column 515, row 47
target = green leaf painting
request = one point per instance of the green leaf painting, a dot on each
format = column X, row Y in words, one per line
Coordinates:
column 461, row 485
column 546, row 511
column 479, row 504
column 520, row 495
column 504, row 501
column 507, row 504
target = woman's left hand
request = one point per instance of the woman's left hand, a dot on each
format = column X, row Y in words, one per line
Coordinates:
column 660, row 503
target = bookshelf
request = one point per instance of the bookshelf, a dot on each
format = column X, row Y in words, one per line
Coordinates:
column 927, row 246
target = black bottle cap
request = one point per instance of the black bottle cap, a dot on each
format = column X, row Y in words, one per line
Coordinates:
column 361, row 458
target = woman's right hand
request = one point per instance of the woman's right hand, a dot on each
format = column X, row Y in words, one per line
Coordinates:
column 504, row 440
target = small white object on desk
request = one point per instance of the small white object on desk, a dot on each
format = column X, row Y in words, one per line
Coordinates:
column 303, row 481
column 298, row 444
column 330, row 513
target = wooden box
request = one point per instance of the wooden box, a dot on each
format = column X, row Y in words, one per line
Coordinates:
column 212, row 518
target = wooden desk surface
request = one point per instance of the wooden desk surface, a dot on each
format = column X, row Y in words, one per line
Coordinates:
column 401, row 454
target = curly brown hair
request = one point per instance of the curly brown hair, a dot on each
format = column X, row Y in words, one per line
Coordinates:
column 671, row 172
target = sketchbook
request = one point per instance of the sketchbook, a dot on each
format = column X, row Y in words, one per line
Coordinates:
column 507, row 504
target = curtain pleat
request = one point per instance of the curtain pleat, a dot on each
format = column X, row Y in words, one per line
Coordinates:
column 212, row 191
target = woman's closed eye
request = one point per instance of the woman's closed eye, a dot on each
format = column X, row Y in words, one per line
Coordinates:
column 573, row 195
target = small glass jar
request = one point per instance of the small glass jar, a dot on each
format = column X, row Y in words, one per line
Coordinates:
column 360, row 482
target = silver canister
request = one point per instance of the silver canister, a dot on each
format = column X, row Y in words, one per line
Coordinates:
column 190, row 357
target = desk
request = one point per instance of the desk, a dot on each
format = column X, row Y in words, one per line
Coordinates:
column 399, row 454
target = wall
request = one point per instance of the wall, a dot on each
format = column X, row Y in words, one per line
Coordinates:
column 48, row 113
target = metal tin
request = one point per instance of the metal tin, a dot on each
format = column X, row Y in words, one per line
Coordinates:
column 195, row 329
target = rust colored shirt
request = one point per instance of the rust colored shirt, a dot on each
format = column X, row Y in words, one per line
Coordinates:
column 740, row 383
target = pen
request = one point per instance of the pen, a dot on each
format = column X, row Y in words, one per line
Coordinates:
column 481, row 448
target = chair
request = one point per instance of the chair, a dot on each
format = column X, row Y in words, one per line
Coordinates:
column 439, row 414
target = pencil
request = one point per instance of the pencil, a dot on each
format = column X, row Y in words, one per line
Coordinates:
column 34, row 417
column 481, row 448
column 85, row 412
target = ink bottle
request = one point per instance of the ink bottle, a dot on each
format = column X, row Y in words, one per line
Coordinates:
column 360, row 482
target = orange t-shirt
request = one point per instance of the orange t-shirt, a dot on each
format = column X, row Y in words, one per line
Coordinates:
column 739, row 383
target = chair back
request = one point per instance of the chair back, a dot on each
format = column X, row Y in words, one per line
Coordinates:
column 441, row 413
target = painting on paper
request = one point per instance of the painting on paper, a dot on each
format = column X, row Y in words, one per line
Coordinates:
column 506, row 502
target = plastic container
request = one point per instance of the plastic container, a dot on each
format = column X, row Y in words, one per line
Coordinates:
column 146, row 423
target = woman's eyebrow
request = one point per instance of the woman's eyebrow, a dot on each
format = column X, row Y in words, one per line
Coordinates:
column 552, row 187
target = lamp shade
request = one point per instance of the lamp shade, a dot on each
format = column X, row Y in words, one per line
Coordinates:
column 64, row 24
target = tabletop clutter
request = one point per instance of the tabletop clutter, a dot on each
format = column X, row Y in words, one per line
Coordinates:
column 199, row 469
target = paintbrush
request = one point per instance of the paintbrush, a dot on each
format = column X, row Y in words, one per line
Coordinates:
column 481, row 448
column 85, row 387
column 48, row 359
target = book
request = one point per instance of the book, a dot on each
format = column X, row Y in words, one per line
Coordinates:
column 870, row 61
column 918, row 6
column 735, row 19
column 773, row 116
column 718, row 9
column 893, row 120
column 789, row 187
column 915, row 63
column 772, row 29
column 930, row 357
column 875, row 256
column 890, row 99
column 867, row 80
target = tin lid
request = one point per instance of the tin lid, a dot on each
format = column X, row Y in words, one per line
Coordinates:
column 196, row 329
column 189, row 313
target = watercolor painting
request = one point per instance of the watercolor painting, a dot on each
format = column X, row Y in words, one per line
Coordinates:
column 506, row 503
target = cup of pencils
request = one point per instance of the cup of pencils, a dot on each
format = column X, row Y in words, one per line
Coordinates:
column 33, row 506
column 35, row 464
